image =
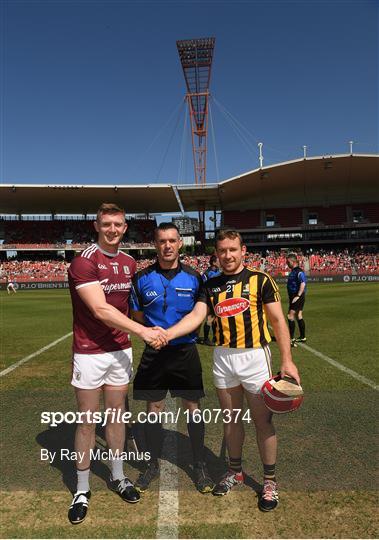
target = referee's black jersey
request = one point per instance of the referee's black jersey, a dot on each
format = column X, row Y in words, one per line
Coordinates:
column 237, row 301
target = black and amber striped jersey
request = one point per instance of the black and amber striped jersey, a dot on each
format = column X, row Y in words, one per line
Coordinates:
column 237, row 302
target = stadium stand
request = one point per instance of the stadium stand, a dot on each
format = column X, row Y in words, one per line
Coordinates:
column 25, row 271
column 286, row 217
column 334, row 215
column 242, row 220
column 365, row 213
column 319, row 263
column 327, row 210
column 47, row 234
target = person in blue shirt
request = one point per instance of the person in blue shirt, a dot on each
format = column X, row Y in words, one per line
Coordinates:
column 296, row 288
column 211, row 272
column 213, row 269
column 162, row 294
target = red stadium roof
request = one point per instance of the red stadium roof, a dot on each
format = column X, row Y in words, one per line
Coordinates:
column 323, row 180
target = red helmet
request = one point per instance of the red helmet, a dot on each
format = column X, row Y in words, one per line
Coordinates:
column 282, row 395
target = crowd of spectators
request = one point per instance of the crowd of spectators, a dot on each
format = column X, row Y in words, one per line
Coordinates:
column 343, row 262
column 21, row 271
column 314, row 263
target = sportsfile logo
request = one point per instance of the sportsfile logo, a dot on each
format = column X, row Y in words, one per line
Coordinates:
column 231, row 307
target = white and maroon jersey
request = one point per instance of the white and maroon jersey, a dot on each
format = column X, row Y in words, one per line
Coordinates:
column 114, row 272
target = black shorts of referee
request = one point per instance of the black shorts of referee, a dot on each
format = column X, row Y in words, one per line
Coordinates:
column 298, row 305
column 176, row 368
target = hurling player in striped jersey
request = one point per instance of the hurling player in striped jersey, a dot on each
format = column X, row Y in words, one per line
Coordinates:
column 242, row 299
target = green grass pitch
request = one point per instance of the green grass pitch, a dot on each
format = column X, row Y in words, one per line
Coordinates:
column 327, row 449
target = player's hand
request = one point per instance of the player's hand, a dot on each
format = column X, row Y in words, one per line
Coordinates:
column 156, row 337
column 163, row 337
column 289, row 369
column 296, row 298
column 160, row 341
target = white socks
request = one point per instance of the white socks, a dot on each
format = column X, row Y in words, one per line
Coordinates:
column 83, row 480
column 117, row 469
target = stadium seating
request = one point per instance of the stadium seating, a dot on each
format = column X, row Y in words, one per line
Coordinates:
column 370, row 212
column 242, row 220
column 286, row 217
column 296, row 217
column 316, row 263
column 45, row 234
column 331, row 215
column 26, row 271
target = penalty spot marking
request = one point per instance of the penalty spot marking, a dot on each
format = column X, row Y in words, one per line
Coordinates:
column 341, row 367
column 33, row 355
column 168, row 507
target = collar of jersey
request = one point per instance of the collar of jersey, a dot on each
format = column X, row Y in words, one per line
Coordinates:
column 107, row 252
column 233, row 275
column 160, row 270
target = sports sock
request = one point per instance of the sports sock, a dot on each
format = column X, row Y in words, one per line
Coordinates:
column 196, row 432
column 301, row 325
column 291, row 326
column 154, row 437
column 83, row 480
column 207, row 329
column 117, row 469
column 269, row 472
column 235, row 464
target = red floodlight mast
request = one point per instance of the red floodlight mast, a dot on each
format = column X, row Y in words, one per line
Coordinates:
column 196, row 58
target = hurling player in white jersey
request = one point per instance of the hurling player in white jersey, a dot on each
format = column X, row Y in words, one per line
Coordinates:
column 100, row 282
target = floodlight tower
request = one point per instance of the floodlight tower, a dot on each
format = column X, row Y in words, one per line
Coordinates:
column 196, row 58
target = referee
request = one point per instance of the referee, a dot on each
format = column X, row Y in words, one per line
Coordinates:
column 163, row 294
column 242, row 299
column 296, row 288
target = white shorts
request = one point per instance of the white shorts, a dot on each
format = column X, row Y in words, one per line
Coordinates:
column 90, row 371
column 248, row 367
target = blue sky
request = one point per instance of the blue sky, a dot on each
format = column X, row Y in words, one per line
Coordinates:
column 91, row 91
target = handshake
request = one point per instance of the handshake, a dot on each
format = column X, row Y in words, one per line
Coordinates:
column 156, row 336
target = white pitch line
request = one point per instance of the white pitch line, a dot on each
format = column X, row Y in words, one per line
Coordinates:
column 27, row 358
column 341, row 367
column 168, row 509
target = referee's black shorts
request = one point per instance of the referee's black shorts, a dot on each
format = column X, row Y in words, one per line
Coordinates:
column 298, row 305
column 176, row 368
